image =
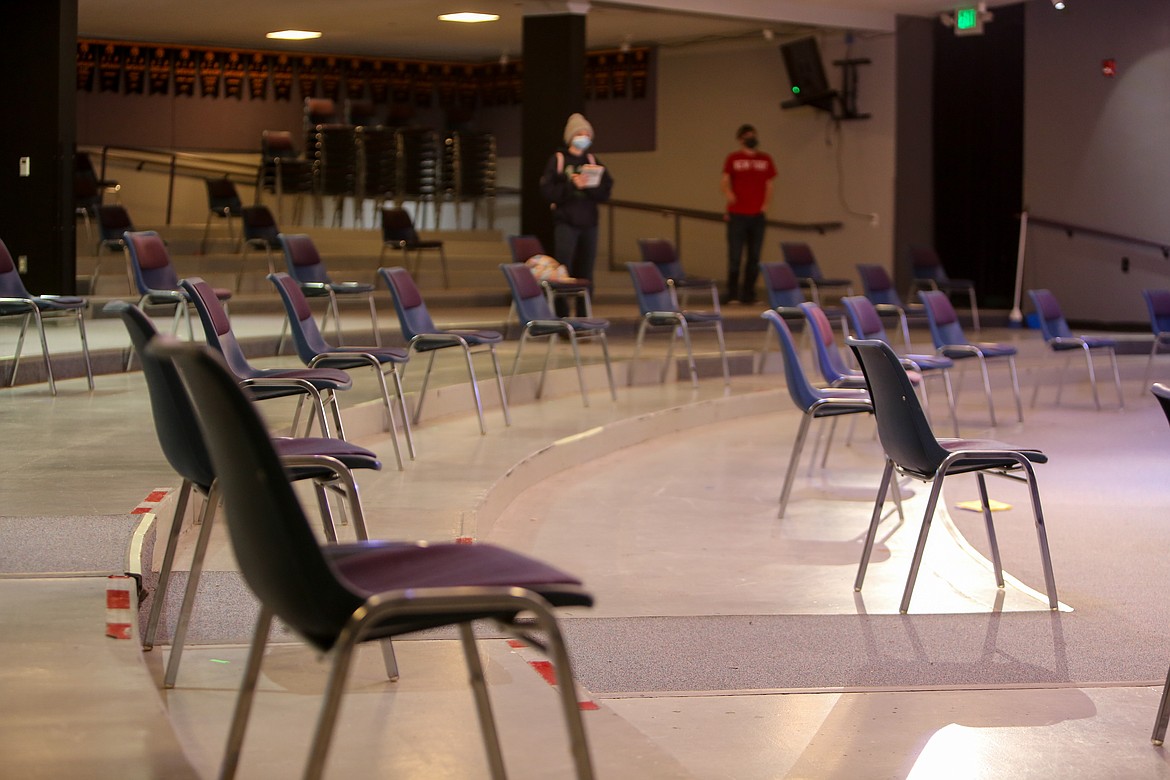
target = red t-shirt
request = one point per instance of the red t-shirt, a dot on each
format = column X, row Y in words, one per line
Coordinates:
column 750, row 174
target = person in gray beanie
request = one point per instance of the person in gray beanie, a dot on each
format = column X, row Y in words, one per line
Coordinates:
column 574, row 183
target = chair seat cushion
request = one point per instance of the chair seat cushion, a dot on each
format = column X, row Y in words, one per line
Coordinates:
column 383, row 355
column 351, row 455
column 350, row 288
column 701, row 317
column 567, row 285
column 693, row 281
column 587, row 323
column 478, row 336
column 321, row 378
column 826, row 282
column 1092, row 342
column 987, row 348
column 975, row 445
column 930, row 362
column 59, row 302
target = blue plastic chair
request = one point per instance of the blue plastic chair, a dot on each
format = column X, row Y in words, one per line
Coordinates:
column 913, row 450
column 1059, row 338
column 16, row 301
column 799, row 256
column 828, row 358
column 1158, row 305
column 320, row 385
column 424, row 336
column 929, row 274
column 950, row 341
column 306, row 266
column 877, row 286
column 314, row 351
column 866, row 324
column 538, row 321
column 659, row 309
column 335, row 597
column 328, row 462
column 813, row 402
column 784, row 297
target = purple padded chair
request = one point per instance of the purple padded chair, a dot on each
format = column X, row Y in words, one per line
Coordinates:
column 306, row 266
column 929, row 274
column 16, row 301
column 1060, row 338
column 799, row 256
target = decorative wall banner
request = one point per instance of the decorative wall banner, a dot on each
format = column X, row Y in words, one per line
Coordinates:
column 160, row 71
column 210, row 73
column 86, row 66
column 282, row 78
column 138, row 68
column 258, row 76
column 186, row 73
column 233, row 76
column 109, row 68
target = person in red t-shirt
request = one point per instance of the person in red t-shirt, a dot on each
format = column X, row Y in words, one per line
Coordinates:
column 747, row 185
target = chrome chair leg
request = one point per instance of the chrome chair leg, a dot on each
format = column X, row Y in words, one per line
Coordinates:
column 875, row 518
column 1092, row 376
column 686, row 333
column 608, row 365
column 193, row 576
column 483, row 705
column 500, row 384
column 920, row 547
column 1016, row 387
column 1116, row 378
column 985, row 503
column 637, row 351
column 164, row 575
column 552, row 340
column 422, row 393
column 235, row 741
column 475, row 391
column 793, row 463
column 577, row 361
column 723, row 353
column 1163, row 716
column 402, row 411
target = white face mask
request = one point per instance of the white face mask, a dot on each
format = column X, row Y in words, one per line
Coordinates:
column 581, row 143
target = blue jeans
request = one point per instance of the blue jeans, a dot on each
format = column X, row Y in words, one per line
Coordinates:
column 744, row 231
column 575, row 247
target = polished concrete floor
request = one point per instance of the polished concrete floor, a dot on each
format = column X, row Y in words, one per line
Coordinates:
column 664, row 503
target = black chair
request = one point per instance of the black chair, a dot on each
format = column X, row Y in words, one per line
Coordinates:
column 912, row 450
column 282, row 171
column 398, row 233
column 260, row 231
column 1162, row 393
column 335, row 598
column 804, row 264
column 328, row 462
column 223, row 202
column 314, row 351
column 320, row 385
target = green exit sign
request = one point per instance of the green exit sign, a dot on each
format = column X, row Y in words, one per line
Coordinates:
column 969, row 21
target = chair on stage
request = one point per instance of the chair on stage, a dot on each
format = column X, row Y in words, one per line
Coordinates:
column 662, row 253
column 398, row 234
column 17, row 301
column 329, row 463
column 538, row 321
column 866, row 324
column 284, row 172
column 424, row 336
column 524, row 247
column 315, row 352
column 912, row 450
column 659, row 309
column 949, row 341
column 319, row 385
column 335, row 597
column 1158, row 305
column 800, row 258
column 223, row 202
column 260, row 231
column 929, row 274
column 306, row 266
column 1060, row 338
column 877, row 286
column 113, row 224
column 813, row 402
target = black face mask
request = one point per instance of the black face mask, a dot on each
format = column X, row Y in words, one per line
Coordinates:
column 751, row 143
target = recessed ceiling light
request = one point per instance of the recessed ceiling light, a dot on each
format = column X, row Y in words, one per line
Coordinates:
column 294, row 35
column 469, row 17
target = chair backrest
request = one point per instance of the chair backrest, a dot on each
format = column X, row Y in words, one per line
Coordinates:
column 175, row 421
column 828, row 358
column 782, row 285
column 1158, row 304
column 260, row 225
column 902, row 426
column 527, row 293
column 925, row 263
column 524, row 247
column 278, row 554
column 113, row 221
column 864, row 319
column 306, row 336
column 150, row 261
column 1162, row 393
column 217, row 328
column 651, row 289
column 398, row 227
column 11, row 285
column 301, row 257
column 800, row 389
column 661, row 252
column 222, row 197
column 944, row 324
column 799, row 256
column 877, row 286
column 1052, row 322
column 413, row 317
column 277, row 143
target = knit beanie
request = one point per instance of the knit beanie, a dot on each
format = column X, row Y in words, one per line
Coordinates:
column 576, row 125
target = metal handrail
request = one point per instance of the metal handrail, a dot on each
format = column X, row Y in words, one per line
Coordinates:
column 1071, row 230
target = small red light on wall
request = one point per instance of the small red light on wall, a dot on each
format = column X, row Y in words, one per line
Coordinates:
column 1109, row 68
